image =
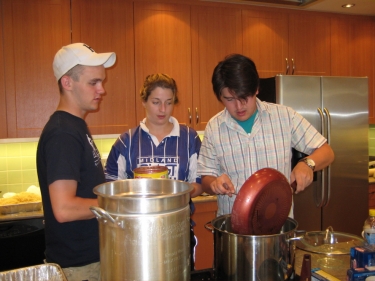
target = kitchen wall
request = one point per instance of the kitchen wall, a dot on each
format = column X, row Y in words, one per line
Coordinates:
column 372, row 140
column 18, row 161
column 18, row 164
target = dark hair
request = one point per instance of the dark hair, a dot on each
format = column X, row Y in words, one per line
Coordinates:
column 158, row 80
column 237, row 73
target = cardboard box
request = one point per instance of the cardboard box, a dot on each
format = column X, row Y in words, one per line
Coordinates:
column 362, row 257
column 359, row 274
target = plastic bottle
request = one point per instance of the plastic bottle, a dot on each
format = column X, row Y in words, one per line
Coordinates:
column 368, row 232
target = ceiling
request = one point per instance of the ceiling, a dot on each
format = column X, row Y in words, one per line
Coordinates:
column 362, row 7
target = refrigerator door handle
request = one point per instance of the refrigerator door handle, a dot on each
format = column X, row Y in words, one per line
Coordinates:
column 328, row 115
column 321, row 200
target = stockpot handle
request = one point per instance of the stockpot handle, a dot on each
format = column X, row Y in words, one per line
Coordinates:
column 101, row 214
column 295, row 238
column 300, row 235
column 209, row 226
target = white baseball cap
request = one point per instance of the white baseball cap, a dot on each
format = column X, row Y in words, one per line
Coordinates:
column 79, row 53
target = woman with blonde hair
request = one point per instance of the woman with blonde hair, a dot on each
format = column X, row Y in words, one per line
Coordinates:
column 159, row 140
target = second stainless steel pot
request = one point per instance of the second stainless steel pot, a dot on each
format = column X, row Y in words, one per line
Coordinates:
column 252, row 257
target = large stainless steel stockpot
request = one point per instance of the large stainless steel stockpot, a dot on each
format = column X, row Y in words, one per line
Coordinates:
column 252, row 257
column 144, row 229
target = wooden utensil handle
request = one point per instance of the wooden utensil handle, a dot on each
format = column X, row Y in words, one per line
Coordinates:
column 294, row 186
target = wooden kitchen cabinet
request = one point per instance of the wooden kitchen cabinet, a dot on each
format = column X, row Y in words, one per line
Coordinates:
column 35, row 30
column 285, row 42
column 32, row 33
column 107, row 26
column 163, row 44
column 205, row 211
column 183, row 42
column 353, row 51
column 309, row 43
column 3, row 111
column 208, row 48
column 185, row 39
column 265, row 40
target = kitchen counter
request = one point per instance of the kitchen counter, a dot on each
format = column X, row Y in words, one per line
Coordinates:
column 22, row 216
column 204, row 198
column 337, row 270
column 337, row 265
column 39, row 214
column 371, row 178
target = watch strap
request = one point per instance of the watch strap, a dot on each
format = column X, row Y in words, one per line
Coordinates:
column 309, row 162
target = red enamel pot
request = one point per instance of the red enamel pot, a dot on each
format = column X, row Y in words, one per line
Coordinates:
column 263, row 203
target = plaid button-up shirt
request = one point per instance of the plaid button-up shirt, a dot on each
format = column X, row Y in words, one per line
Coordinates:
column 228, row 149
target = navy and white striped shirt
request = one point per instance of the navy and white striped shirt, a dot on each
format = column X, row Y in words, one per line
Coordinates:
column 178, row 151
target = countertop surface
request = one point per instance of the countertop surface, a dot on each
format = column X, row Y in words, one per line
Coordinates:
column 39, row 214
column 371, row 178
column 21, row 216
column 336, row 265
column 204, row 198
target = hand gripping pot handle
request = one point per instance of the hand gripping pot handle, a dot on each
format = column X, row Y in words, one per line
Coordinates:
column 101, row 214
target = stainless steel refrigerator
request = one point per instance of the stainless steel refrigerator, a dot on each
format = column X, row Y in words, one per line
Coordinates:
column 338, row 108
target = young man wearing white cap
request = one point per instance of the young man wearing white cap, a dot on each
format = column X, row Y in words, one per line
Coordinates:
column 69, row 166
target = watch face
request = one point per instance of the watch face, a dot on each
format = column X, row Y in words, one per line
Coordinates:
column 310, row 163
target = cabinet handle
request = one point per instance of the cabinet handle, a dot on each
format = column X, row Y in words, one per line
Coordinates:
column 287, row 66
column 189, row 112
column 197, row 115
column 293, row 66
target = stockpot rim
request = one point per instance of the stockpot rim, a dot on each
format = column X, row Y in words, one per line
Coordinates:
column 135, row 196
column 224, row 217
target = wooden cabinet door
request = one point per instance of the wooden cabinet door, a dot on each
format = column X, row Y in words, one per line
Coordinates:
column 353, row 51
column 3, row 109
column 107, row 26
column 216, row 33
column 309, row 43
column 265, row 40
column 163, row 44
column 287, row 42
column 33, row 32
column 204, row 251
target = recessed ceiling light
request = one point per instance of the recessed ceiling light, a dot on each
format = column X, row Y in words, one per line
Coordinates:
column 348, row 5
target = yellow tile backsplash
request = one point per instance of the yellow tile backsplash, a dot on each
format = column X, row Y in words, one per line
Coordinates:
column 3, row 176
column 14, row 163
column 371, row 140
column 18, row 163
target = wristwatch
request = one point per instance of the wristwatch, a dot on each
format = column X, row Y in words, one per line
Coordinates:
column 309, row 162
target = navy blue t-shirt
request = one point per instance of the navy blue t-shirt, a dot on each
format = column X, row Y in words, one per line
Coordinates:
column 66, row 151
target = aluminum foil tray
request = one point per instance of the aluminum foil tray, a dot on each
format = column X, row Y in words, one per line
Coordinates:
column 43, row 272
column 22, row 207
